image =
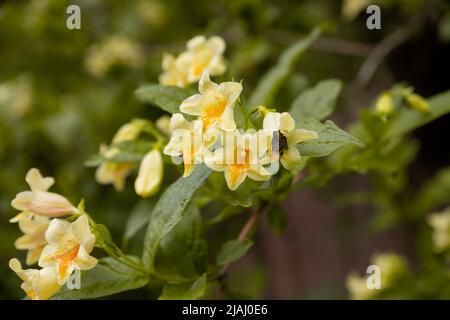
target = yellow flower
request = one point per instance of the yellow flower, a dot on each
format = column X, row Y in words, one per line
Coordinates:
column 186, row 141
column 201, row 55
column 206, row 55
column 286, row 137
column 150, row 174
column 39, row 200
column 37, row 284
column 69, row 246
column 242, row 155
column 214, row 105
column 116, row 50
column 115, row 173
column 440, row 222
column 175, row 71
column 33, row 240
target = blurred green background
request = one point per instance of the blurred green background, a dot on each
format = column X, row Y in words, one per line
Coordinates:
column 63, row 92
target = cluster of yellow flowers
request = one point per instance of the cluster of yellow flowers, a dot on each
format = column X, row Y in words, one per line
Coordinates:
column 213, row 137
column 201, row 55
column 58, row 246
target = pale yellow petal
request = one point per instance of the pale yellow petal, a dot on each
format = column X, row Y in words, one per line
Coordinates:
column 205, row 85
column 57, row 232
column 290, row 158
column 81, row 231
column 150, row 174
column 272, row 121
column 37, row 182
column 84, row 261
column 298, row 135
column 287, row 123
column 192, row 105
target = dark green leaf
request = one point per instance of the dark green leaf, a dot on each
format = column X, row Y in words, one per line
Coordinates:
column 169, row 210
column 233, row 250
column 269, row 85
column 317, row 102
column 185, row 291
column 330, row 139
column 165, row 97
column 104, row 281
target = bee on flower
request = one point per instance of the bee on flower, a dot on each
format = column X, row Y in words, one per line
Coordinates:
column 39, row 201
column 202, row 55
column 286, row 137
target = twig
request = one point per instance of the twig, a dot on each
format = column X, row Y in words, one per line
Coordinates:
column 383, row 49
column 241, row 237
column 326, row 44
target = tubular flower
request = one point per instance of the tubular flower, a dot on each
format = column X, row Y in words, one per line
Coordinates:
column 150, row 174
column 39, row 200
column 242, row 155
column 214, row 105
column 115, row 173
column 286, row 137
column 37, row 284
column 440, row 222
column 69, row 246
column 33, row 240
column 201, row 55
column 186, row 141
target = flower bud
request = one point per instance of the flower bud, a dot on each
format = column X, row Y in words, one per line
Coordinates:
column 150, row 174
column 418, row 103
column 384, row 105
column 43, row 203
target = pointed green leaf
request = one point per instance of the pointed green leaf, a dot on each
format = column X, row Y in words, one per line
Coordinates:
column 104, row 281
column 169, row 210
column 271, row 82
column 138, row 218
column 330, row 138
column 410, row 119
column 233, row 250
column 185, row 291
column 165, row 97
column 182, row 252
column 317, row 102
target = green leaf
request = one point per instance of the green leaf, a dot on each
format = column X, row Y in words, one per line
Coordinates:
column 233, row 250
column 165, row 97
column 182, row 252
column 103, row 281
column 185, row 291
column 317, row 102
column 138, row 218
column 277, row 220
column 330, row 139
column 169, row 210
column 271, row 82
column 408, row 119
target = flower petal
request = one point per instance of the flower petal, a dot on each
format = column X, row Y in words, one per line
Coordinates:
column 272, row 121
column 150, row 174
column 192, row 105
column 205, row 85
column 37, row 182
column 290, row 158
column 57, row 232
column 287, row 123
column 81, row 231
